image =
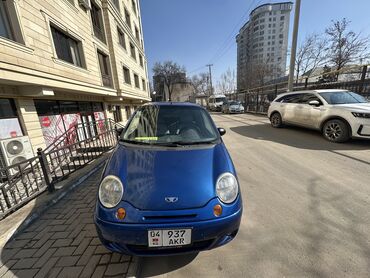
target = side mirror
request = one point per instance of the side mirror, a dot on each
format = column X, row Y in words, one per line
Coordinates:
column 222, row 131
column 119, row 131
column 314, row 103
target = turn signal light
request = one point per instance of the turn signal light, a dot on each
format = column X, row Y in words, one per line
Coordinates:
column 217, row 210
column 121, row 213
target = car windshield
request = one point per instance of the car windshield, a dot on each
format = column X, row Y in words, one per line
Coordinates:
column 170, row 125
column 342, row 97
column 234, row 103
column 220, row 99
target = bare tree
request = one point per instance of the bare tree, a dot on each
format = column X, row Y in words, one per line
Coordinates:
column 227, row 82
column 345, row 46
column 170, row 73
column 310, row 55
column 200, row 83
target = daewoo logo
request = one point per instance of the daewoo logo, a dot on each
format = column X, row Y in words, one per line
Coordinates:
column 171, row 199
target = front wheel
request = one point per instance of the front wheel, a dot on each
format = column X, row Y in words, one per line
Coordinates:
column 276, row 120
column 336, row 131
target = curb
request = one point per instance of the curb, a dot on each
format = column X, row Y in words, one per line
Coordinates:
column 57, row 196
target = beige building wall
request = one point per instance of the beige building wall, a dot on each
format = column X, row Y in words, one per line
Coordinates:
column 30, row 68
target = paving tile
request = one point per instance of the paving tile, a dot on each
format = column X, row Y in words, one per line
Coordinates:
column 70, row 272
column 95, row 241
column 45, row 258
column 116, row 269
column 41, row 251
column 86, row 255
column 90, row 267
column 24, row 263
column 54, row 272
column 67, row 261
column 46, row 268
column 82, row 247
column 99, row 271
column 60, row 235
column 24, row 253
column 105, row 259
column 62, row 242
column 26, row 273
column 115, row 258
column 100, row 249
column 7, row 266
column 64, row 251
column 17, row 243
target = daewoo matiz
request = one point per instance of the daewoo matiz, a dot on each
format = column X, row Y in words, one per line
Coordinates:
column 170, row 185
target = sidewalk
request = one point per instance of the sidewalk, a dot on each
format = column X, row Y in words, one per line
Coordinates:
column 62, row 241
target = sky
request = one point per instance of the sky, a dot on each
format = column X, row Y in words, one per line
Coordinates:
column 194, row 33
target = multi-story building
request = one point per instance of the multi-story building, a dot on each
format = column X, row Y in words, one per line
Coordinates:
column 68, row 61
column 262, row 43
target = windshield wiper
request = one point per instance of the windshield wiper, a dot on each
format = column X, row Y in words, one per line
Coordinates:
column 187, row 143
column 134, row 142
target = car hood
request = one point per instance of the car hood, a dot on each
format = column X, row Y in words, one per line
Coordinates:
column 236, row 106
column 150, row 175
column 355, row 107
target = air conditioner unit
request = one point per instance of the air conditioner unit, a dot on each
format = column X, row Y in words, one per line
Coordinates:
column 16, row 150
column 85, row 3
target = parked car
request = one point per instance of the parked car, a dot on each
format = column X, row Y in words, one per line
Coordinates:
column 170, row 185
column 232, row 107
column 338, row 114
column 215, row 102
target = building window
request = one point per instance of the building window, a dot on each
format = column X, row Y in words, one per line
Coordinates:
column 136, row 77
column 282, row 17
column 128, row 112
column 105, row 69
column 134, row 6
column 117, row 114
column 67, row 48
column 121, row 38
column 97, row 21
column 9, row 24
column 116, row 3
column 144, row 84
column 5, row 28
column 132, row 51
column 128, row 18
column 141, row 60
column 9, row 122
column 137, row 34
column 126, row 75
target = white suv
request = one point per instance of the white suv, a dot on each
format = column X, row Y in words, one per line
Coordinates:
column 338, row 114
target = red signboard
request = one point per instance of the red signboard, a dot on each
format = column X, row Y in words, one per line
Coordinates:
column 45, row 122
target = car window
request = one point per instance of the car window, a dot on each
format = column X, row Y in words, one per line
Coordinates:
column 306, row 98
column 342, row 97
column 295, row 98
column 154, row 124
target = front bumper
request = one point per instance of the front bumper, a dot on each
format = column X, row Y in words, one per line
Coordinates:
column 132, row 239
column 361, row 128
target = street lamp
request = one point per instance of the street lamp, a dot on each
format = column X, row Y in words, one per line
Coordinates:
column 154, row 93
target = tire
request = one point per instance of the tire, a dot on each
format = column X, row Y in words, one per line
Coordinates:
column 336, row 131
column 276, row 120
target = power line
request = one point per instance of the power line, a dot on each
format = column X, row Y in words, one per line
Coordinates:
column 230, row 39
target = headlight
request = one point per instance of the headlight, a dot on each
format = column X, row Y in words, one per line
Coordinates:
column 361, row 115
column 110, row 191
column 227, row 188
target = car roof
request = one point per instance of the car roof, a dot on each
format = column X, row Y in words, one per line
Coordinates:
column 312, row 91
column 184, row 104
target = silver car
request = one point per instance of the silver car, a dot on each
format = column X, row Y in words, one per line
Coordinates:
column 338, row 114
column 232, row 107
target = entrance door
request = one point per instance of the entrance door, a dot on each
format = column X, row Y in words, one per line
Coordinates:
column 89, row 125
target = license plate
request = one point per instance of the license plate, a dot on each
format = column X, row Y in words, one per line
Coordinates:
column 166, row 238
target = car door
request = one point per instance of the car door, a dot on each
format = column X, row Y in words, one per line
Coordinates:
column 310, row 114
column 291, row 107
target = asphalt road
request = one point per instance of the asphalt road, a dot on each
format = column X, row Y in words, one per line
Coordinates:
column 307, row 207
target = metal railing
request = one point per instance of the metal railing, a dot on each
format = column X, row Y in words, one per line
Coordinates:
column 257, row 100
column 78, row 146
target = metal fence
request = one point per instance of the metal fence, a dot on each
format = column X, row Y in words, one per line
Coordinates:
column 257, row 100
column 77, row 147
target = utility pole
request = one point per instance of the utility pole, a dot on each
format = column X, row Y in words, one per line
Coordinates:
column 294, row 44
column 210, row 77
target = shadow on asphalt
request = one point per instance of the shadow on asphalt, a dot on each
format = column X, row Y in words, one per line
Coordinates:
column 152, row 266
column 297, row 137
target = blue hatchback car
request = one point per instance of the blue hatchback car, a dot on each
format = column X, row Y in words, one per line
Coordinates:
column 170, row 185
